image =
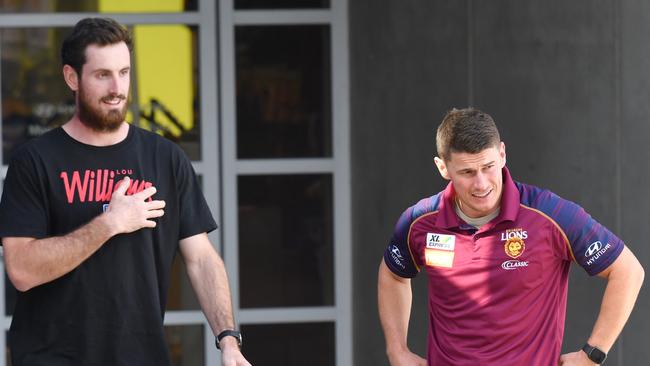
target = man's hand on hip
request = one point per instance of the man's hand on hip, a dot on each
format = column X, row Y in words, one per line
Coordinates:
column 575, row 359
column 406, row 358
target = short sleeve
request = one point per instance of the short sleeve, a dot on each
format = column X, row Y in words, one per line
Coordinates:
column 592, row 245
column 595, row 247
column 195, row 216
column 398, row 256
column 23, row 208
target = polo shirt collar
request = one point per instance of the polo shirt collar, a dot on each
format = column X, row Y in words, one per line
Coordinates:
column 447, row 217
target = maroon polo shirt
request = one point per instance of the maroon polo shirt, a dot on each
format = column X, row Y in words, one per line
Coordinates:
column 497, row 296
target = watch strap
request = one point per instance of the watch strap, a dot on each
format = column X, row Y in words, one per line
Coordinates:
column 594, row 354
column 228, row 333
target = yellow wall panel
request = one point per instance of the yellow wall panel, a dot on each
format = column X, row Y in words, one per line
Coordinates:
column 163, row 66
column 127, row 6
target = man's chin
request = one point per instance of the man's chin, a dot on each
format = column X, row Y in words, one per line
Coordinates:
column 103, row 122
column 103, row 126
column 481, row 210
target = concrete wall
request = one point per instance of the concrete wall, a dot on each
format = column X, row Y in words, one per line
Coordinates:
column 568, row 85
column 634, row 162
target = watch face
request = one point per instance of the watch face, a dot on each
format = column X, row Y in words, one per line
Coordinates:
column 594, row 353
column 598, row 356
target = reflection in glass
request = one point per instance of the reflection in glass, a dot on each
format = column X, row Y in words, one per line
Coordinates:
column 185, row 343
column 283, row 91
column 97, row 6
column 290, row 344
column 34, row 96
column 285, row 241
column 164, row 87
column 281, row 4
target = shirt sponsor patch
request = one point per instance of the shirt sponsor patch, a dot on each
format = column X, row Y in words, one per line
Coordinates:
column 513, row 264
column 595, row 250
column 440, row 241
column 439, row 258
column 396, row 254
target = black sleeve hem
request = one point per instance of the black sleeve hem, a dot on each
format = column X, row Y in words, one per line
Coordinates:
column 396, row 271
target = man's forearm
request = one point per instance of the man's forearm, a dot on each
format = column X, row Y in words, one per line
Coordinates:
column 31, row 262
column 214, row 295
column 208, row 276
column 394, row 298
column 623, row 285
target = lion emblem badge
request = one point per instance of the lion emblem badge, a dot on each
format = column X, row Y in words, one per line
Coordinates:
column 514, row 247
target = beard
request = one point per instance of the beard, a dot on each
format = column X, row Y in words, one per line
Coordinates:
column 98, row 120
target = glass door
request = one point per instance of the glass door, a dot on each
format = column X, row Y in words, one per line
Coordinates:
column 286, row 177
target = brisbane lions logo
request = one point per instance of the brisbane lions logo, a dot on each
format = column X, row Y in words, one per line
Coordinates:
column 514, row 247
column 514, row 241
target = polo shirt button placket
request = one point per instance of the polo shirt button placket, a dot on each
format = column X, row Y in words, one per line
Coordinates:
column 475, row 239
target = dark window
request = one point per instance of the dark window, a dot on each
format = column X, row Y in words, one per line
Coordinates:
column 290, row 344
column 281, row 4
column 283, row 91
column 285, row 241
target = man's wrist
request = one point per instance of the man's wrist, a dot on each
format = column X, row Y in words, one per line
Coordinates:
column 228, row 338
column 107, row 224
column 594, row 354
column 396, row 349
column 228, row 343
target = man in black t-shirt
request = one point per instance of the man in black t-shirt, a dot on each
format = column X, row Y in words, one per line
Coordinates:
column 91, row 217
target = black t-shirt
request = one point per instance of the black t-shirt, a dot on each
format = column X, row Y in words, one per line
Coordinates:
column 109, row 310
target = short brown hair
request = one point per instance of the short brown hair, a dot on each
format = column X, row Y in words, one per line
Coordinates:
column 466, row 130
column 88, row 31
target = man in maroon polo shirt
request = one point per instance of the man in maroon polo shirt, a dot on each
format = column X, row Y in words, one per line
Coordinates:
column 497, row 253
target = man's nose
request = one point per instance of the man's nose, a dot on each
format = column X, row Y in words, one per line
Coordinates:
column 114, row 85
column 119, row 85
column 480, row 181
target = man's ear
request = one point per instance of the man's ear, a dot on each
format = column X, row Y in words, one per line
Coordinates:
column 502, row 153
column 442, row 167
column 71, row 78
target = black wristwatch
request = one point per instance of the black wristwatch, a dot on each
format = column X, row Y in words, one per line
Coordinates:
column 228, row 333
column 594, row 353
